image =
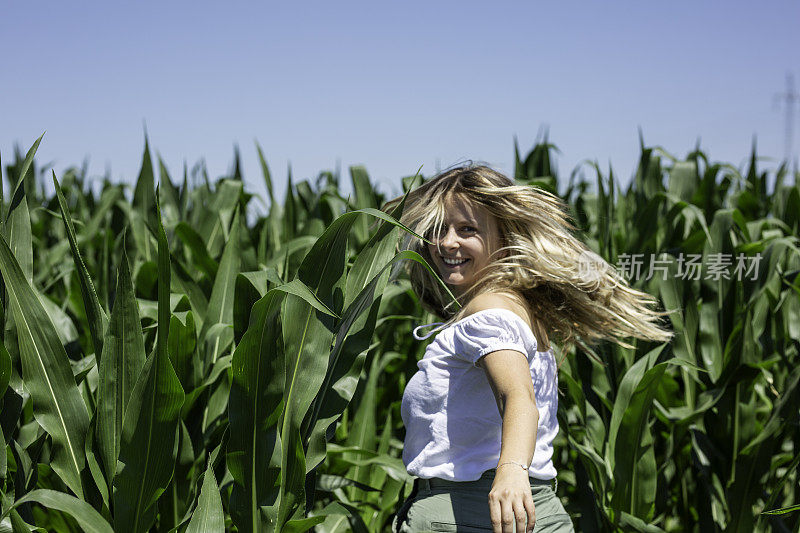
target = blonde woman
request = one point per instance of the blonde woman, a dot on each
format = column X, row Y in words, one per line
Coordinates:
column 480, row 414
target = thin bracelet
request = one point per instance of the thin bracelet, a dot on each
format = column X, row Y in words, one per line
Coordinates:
column 513, row 463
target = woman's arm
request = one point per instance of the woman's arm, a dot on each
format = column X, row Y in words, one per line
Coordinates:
column 510, row 499
column 508, row 373
column 509, row 376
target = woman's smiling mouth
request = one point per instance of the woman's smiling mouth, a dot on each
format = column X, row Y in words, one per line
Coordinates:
column 453, row 262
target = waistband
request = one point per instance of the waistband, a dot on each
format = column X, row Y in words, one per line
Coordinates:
column 485, row 481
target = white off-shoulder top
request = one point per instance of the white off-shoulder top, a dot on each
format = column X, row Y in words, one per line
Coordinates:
column 453, row 426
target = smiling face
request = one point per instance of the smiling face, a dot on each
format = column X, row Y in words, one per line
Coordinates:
column 468, row 236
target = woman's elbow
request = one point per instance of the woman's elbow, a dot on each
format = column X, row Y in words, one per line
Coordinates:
column 521, row 399
column 523, row 394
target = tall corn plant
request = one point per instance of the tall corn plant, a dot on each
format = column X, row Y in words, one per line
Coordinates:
column 696, row 435
column 249, row 352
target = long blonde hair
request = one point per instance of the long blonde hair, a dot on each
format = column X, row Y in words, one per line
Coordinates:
column 571, row 291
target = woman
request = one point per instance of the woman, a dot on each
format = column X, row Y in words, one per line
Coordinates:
column 521, row 279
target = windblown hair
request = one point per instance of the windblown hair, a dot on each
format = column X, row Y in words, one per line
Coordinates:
column 572, row 292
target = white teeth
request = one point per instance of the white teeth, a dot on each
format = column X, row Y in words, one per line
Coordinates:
column 454, row 261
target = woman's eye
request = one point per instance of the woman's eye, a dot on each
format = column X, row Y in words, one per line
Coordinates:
column 468, row 229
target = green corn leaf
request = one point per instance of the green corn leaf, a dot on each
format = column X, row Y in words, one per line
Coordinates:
column 186, row 285
column 148, row 447
column 597, row 467
column 290, row 248
column 709, row 336
column 634, row 473
column 5, row 369
column 17, row 231
column 289, row 211
column 97, row 317
column 3, row 460
column 683, row 179
column 142, row 213
column 169, row 201
column 300, row 289
column 393, row 466
column 302, row 524
column 65, row 327
column 307, row 349
column 18, row 525
column 347, row 360
column 270, row 240
column 182, row 347
column 362, row 431
column 27, row 451
column 208, row 516
column 213, row 222
column 265, row 172
column 377, row 477
column 195, row 243
column 183, row 489
column 248, row 289
column 90, row 520
column 143, row 196
column 753, row 459
column 365, row 198
column 121, row 364
column 633, row 523
column 364, row 286
column 19, row 189
column 782, row 510
column 388, row 218
column 58, row 406
column 108, row 201
column 330, row 483
column 220, row 306
column 55, row 255
column 254, row 407
column 307, row 339
column 95, row 470
column 222, row 364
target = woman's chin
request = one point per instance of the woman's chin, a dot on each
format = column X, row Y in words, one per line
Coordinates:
column 454, row 283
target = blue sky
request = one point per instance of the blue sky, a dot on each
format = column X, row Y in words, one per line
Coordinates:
column 391, row 86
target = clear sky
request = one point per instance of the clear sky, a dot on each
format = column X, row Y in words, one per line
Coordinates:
column 391, row 85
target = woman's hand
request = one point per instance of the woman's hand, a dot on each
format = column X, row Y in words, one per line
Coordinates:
column 511, row 500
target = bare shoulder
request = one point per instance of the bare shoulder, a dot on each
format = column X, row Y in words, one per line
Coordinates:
column 512, row 302
column 498, row 300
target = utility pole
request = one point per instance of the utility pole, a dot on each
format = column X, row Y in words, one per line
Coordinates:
column 790, row 97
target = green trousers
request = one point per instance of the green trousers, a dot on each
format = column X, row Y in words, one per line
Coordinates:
column 463, row 507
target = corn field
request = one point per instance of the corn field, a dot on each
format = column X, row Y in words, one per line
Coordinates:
column 167, row 365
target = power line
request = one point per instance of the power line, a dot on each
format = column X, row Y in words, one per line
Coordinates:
column 790, row 97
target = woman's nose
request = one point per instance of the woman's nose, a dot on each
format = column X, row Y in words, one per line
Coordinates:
column 449, row 239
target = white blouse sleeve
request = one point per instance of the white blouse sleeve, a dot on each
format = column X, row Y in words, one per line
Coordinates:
column 492, row 330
